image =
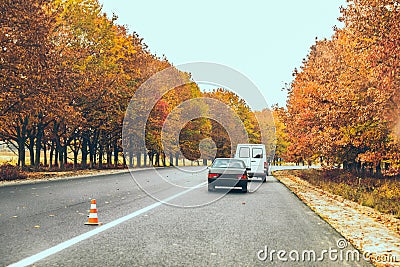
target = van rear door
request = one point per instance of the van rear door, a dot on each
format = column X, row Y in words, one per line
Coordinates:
column 244, row 153
column 257, row 159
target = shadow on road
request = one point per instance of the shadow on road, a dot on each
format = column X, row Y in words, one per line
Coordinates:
column 222, row 190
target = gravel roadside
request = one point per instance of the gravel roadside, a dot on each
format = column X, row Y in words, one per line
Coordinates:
column 375, row 234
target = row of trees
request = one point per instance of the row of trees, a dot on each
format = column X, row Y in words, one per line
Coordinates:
column 67, row 74
column 343, row 102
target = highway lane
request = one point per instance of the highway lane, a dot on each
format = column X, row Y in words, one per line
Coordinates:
column 228, row 228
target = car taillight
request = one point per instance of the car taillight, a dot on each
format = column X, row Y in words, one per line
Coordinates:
column 243, row 176
column 213, row 175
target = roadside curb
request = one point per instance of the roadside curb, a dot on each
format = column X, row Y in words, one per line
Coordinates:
column 366, row 233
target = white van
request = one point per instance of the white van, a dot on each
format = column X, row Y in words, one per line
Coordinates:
column 254, row 155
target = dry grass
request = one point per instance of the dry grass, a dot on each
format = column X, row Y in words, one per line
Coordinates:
column 9, row 172
column 380, row 194
column 8, row 157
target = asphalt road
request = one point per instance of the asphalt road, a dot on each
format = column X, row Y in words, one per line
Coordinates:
column 43, row 224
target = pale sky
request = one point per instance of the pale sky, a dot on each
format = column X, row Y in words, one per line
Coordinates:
column 264, row 40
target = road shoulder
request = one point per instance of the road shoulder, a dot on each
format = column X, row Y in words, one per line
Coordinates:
column 52, row 176
column 373, row 233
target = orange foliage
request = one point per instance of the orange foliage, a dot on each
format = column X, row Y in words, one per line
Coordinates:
column 343, row 102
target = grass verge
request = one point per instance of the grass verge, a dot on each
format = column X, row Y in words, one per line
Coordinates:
column 380, row 194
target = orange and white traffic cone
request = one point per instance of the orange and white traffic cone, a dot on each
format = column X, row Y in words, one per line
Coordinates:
column 93, row 219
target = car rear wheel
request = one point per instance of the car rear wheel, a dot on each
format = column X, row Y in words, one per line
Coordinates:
column 211, row 187
column 244, row 188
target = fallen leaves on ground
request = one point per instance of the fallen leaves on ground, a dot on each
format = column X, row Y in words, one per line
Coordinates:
column 368, row 230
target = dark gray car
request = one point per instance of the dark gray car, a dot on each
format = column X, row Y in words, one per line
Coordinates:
column 227, row 172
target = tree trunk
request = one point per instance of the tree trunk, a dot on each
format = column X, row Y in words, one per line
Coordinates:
column 39, row 136
column 91, row 156
column 151, row 158
column 101, row 157
column 44, row 154
column 84, row 152
column 51, row 154
column 56, row 156
column 124, row 160
column 109, row 155
column 60, row 151
column 94, row 156
column 130, row 155
column 163, row 159
column 109, row 159
column 362, row 169
column 21, row 140
column 138, row 159
column 91, row 160
column 65, row 153
column 61, row 162
column 358, row 167
column 60, row 158
column 21, row 152
column 31, row 148
column 378, row 169
column 76, row 152
column 116, row 151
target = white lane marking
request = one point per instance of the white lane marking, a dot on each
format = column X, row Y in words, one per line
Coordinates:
column 66, row 244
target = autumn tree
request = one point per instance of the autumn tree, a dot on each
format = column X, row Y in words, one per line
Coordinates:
column 342, row 103
column 68, row 73
column 281, row 141
column 27, row 72
column 223, row 137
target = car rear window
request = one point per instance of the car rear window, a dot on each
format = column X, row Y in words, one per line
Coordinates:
column 226, row 163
